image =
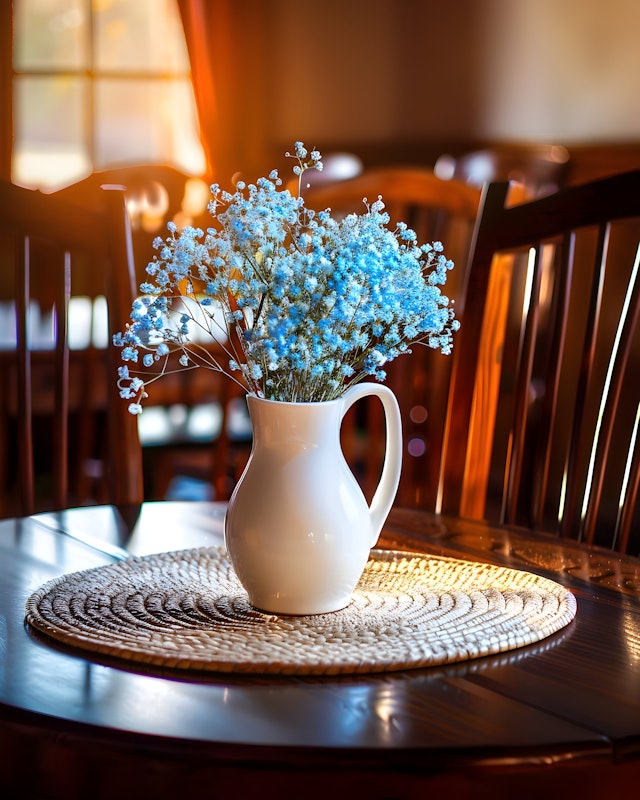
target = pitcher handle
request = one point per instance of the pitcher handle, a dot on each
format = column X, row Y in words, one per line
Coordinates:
column 390, row 478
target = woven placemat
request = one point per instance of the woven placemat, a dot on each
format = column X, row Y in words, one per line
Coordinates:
column 187, row 610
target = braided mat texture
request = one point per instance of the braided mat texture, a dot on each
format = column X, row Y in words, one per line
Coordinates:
column 187, row 610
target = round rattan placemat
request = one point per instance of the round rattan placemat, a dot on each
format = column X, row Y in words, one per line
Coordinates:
column 187, row 610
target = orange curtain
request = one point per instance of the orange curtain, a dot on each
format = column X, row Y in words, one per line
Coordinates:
column 6, row 89
column 225, row 40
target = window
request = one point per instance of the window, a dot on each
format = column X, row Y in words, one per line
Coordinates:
column 99, row 84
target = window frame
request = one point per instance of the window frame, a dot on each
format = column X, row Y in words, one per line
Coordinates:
column 91, row 74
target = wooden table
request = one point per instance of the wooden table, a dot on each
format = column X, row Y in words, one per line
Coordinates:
column 558, row 717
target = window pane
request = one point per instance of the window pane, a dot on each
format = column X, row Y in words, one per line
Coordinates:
column 50, row 147
column 51, row 34
column 143, row 36
column 147, row 122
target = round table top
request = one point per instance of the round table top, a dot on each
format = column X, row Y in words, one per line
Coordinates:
column 572, row 696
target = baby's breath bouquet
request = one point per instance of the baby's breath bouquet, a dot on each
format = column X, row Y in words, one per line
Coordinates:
column 293, row 305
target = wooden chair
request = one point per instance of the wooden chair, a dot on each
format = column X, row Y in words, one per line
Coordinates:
column 209, row 461
column 67, row 436
column 437, row 210
column 545, row 401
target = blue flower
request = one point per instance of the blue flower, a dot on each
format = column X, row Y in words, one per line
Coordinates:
column 298, row 305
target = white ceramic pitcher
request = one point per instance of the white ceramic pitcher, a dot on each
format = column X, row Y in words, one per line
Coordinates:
column 298, row 529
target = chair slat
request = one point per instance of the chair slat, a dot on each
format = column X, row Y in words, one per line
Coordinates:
column 23, row 372
column 557, row 345
column 522, row 390
column 61, row 389
column 625, row 517
column 571, row 524
column 611, row 401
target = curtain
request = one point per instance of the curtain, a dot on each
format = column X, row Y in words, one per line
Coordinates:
column 6, row 89
column 227, row 47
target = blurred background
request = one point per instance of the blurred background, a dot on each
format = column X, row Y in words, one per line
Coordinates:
column 216, row 87
column 168, row 96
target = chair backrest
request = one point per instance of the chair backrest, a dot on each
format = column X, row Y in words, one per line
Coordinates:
column 57, row 396
column 544, row 400
column 434, row 208
column 172, row 450
column 154, row 194
column 437, row 210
